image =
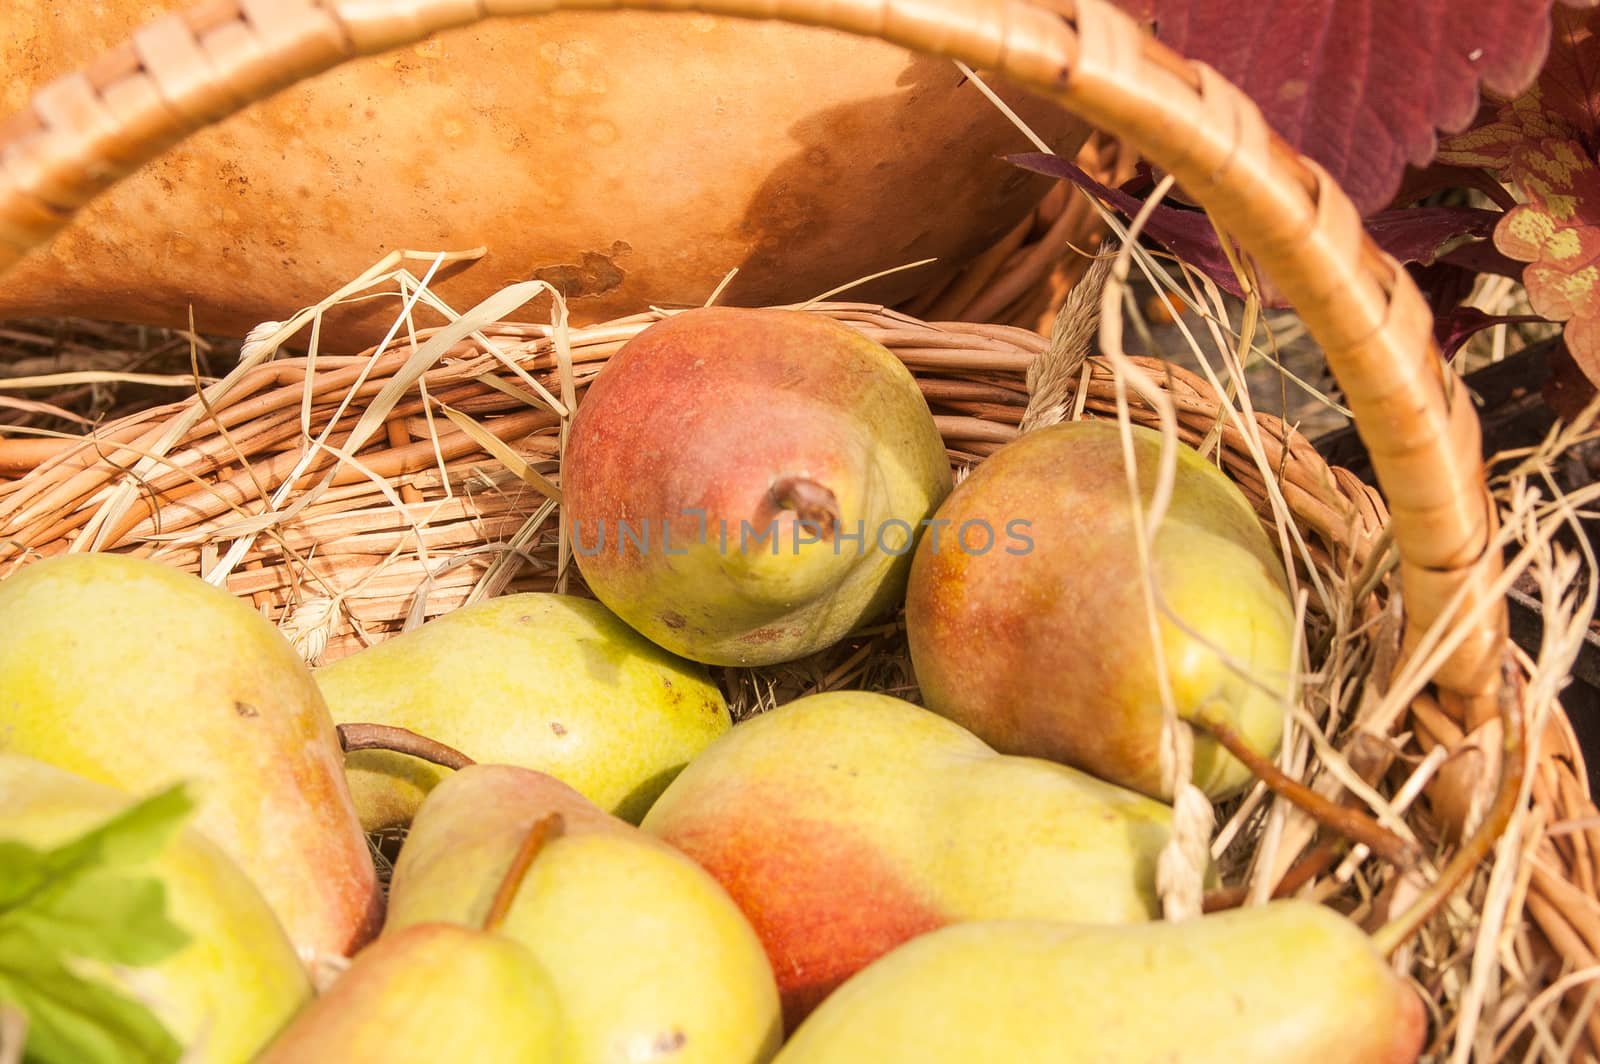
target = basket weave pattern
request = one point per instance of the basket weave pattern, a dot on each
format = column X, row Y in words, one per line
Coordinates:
column 385, row 565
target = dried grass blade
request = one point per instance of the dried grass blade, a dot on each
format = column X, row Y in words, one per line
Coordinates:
column 502, row 452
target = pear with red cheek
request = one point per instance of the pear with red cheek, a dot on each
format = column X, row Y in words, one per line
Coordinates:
column 1026, row 615
column 744, row 486
column 647, row 954
column 1286, row 981
column 847, row 823
column 139, row 675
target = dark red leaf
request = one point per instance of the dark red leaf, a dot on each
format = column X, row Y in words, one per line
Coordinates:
column 1543, row 143
column 1187, row 234
column 1361, row 86
column 1437, row 177
column 1564, row 103
column 1443, row 285
column 1419, row 234
column 1483, row 257
column 1568, row 389
column 1455, row 327
column 1416, row 234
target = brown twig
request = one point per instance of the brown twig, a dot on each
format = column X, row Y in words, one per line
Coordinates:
column 546, row 828
column 1352, row 824
column 353, row 737
column 1312, row 864
column 1392, row 935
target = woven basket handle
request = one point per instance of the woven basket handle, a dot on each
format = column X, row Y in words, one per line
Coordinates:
column 84, row 131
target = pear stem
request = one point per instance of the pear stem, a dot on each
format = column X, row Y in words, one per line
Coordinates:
column 811, row 501
column 1316, row 860
column 354, row 737
column 546, row 828
column 1508, row 792
column 1348, row 822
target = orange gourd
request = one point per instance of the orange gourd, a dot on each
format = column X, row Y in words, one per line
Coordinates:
column 629, row 159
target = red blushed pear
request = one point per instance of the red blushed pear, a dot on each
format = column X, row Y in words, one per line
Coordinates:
column 1041, row 645
column 825, row 901
column 845, row 824
column 744, row 486
column 138, row 675
column 648, row 956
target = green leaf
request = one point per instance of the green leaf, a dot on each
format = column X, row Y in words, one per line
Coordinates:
column 75, row 1019
column 87, row 902
column 105, row 917
column 136, row 834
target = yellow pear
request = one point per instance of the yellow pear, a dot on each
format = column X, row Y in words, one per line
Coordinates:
column 431, row 994
column 139, row 675
column 1288, row 981
column 549, row 682
column 648, row 955
column 237, row 981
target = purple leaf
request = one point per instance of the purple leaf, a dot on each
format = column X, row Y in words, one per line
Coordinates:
column 1445, row 286
column 1412, row 234
column 1484, row 257
column 1543, row 145
column 1456, row 327
column 1187, row 234
column 1419, row 234
column 1361, row 86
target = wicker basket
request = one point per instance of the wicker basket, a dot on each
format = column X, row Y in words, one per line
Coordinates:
column 1023, row 280
column 402, row 511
